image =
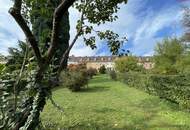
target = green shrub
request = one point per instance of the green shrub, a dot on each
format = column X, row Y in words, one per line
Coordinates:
column 169, row 56
column 91, row 72
column 113, row 75
column 74, row 80
column 127, row 64
column 102, row 69
column 175, row 88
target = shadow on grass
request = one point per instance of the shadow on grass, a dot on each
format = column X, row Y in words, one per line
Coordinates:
column 141, row 125
column 94, row 89
column 100, row 79
column 105, row 110
column 150, row 106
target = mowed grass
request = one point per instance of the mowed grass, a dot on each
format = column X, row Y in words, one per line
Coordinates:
column 111, row 105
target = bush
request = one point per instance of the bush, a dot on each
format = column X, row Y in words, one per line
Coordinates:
column 91, row 72
column 113, row 75
column 175, row 88
column 77, row 67
column 102, row 69
column 127, row 64
column 168, row 55
column 74, row 80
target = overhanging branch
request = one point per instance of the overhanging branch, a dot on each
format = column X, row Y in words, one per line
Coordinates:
column 67, row 53
column 64, row 56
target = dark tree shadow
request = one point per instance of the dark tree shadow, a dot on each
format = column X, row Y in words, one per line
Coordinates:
column 100, row 80
column 94, row 89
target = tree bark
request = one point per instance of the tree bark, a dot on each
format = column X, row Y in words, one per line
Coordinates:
column 58, row 14
column 40, row 98
column 41, row 24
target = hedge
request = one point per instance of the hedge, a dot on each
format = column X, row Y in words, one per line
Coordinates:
column 175, row 88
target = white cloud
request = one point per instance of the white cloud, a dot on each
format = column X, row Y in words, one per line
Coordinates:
column 10, row 32
column 141, row 28
column 144, row 38
column 83, row 51
column 155, row 22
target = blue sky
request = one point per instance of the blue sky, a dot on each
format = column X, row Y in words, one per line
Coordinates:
column 144, row 22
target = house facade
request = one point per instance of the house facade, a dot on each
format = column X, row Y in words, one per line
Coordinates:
column 94, row 62
column 108, row 61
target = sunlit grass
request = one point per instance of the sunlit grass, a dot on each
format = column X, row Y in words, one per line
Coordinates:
column 110, row 105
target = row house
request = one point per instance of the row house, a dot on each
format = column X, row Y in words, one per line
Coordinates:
column 108, row 61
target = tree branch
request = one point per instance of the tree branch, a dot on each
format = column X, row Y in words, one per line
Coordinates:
column 58, row 14
column 15, row 11
column 71, row 45
column 19, row 77
column 67, row 53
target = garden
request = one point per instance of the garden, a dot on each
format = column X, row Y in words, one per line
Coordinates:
column 111, row 105
column 42, row 89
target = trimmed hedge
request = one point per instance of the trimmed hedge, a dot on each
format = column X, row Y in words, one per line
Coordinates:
column 175, row 88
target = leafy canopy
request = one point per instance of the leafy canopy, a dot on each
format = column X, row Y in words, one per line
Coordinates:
column 96, row 13
column 127, row 63
column 168, row 54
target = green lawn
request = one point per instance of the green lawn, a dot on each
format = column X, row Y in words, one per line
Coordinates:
column 110, row 105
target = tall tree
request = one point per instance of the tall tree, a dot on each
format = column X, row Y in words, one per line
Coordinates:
column 167, row 54
column 16, row 56
column 127, row 64
column 36, row 82
column 42, row 22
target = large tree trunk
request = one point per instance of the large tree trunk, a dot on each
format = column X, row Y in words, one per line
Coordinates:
column 40, row 97
column 63, row 40
column 40, row 25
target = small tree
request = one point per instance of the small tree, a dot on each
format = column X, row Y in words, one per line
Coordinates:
column 167, row 54
column 102, row 69
column 126, row 64
column 16, row 56
column 113, row 75
column 74, row 80
column 91, row 72
column 183, row 64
